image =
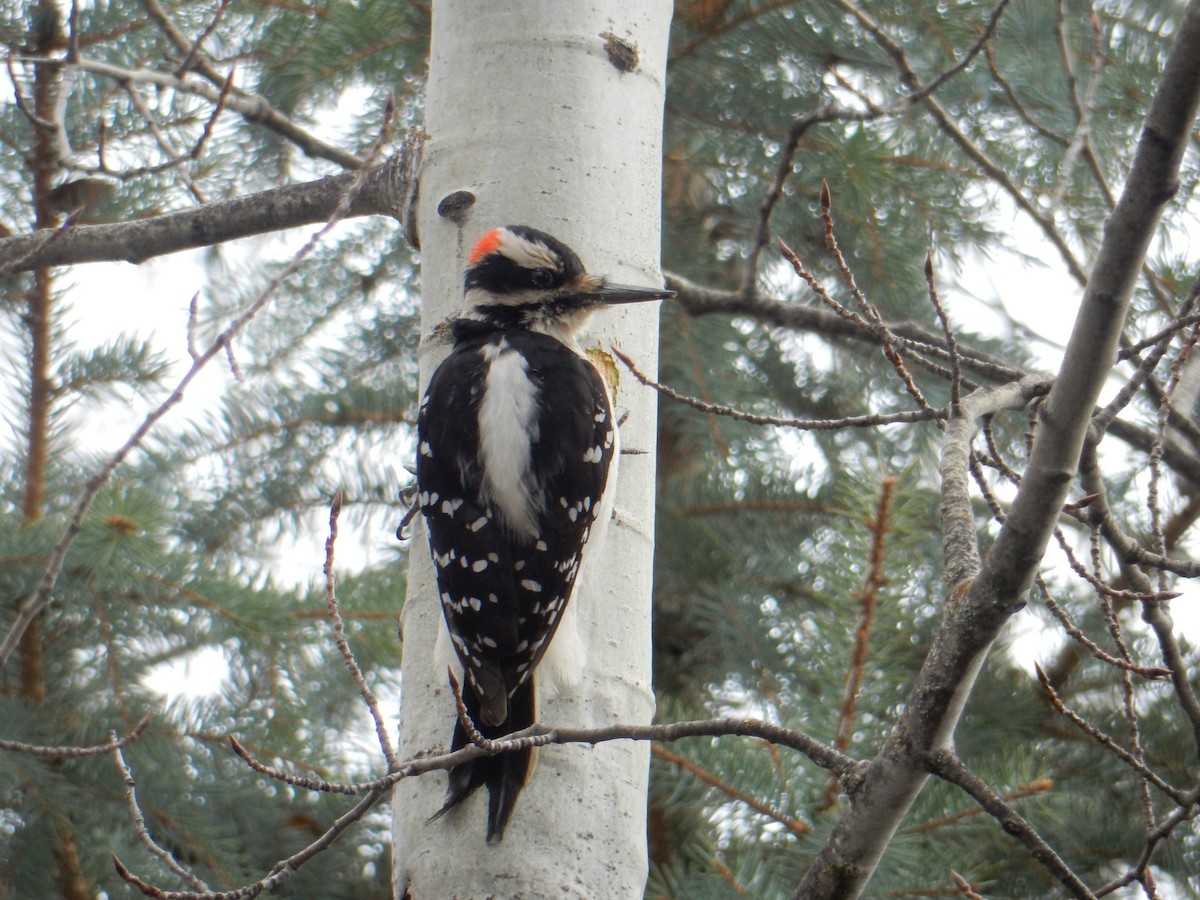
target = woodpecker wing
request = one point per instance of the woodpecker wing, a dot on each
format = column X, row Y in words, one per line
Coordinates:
column 571, row 461
column 468, row 546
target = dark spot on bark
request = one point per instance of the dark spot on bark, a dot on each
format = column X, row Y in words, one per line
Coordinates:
column 455, row 206
column 622, row 54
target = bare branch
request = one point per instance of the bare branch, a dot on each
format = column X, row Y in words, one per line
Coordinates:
column 949, row 768
column 702, row 301
column 139, row 822
column 384, row 190
column 339, row 637
column 280, row 873
column 194, row 51
column 887, row 342
column 540, row 735
column 951, row 344
column 1140, row 870
column 1148, row 775
column 252, row 107
column 1076, row 633
column 300, row 781
column 905, row 416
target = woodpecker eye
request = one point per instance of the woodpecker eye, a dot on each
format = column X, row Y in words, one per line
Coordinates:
column 541, row 278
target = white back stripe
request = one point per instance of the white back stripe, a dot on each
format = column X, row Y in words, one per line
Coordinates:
column 507, row 429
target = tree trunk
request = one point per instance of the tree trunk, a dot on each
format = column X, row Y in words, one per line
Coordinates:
column 548, row 115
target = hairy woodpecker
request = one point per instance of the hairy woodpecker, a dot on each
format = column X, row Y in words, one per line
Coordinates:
column 516, row 458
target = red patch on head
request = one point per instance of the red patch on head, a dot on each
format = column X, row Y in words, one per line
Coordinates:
column 485, row 245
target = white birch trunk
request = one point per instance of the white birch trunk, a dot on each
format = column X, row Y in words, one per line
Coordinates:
column 528, row 112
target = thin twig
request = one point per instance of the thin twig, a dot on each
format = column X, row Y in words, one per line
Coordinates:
column 815, row 285
column 1104, row 740
column 1076, row 633
column 51, row 752
column 951, row 343
column 218, row 108
column 139, row 822
column 1139, row 870
column 950, row 768
column 164, row 143
column 887, row 342
column 339, row 636
column 313, row 784
column 280, row 873
column 1099, row 586
column 903, row 417
column 194, row 50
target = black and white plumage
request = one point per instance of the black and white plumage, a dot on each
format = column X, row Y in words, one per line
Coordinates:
column 516, row 448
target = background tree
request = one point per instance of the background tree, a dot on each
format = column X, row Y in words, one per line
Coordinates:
column 799, row 571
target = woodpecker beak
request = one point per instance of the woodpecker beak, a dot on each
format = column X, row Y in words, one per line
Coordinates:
column 612, row 294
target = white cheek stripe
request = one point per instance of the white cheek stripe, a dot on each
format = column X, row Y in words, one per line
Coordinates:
column 507, row 429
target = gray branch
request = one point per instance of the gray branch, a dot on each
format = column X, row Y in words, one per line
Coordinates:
column 388, row 190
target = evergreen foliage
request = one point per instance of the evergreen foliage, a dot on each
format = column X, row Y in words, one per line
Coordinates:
column 202, row 553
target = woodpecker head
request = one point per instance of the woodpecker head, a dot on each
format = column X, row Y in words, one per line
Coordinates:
column 519, row 277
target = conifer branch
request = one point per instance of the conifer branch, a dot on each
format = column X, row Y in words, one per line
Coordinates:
column 1033, row 789
column 990, row 168
column 834, row 112
column 686, row 765
column 964, row 886
column 867, row 599
column 43, row 594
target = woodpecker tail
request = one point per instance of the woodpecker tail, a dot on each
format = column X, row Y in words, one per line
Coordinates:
column 504, row 774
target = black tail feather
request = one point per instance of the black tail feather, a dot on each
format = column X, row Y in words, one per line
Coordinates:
column 504, row 774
